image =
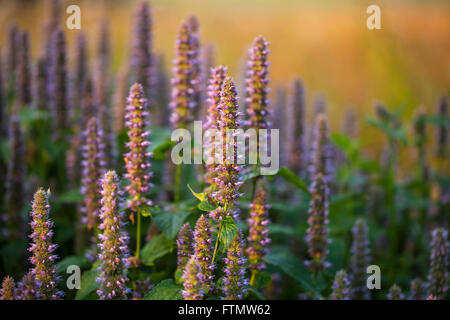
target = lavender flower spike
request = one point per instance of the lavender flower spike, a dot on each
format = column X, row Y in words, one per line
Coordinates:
column 42, row 248
column 23, row 80
column 321, row 150
column 93, row 167
column 8, row 288
column 185, row 245
column 203, row 251
column 258, row 238
column 185, row 81
column 316, row 237
column 395, row 293
column 341, row 286
column 215, row 85
column 192, row 281
column 417, row 290
column 360, row 260
column 27, row 289
column 227, row 171
column 442, row 131
column 235, row 282
column 113, row 242
column 439, row 266
column 137, row 160
column 257, row 84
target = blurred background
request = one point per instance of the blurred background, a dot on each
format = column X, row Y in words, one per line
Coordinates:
column 406, row 64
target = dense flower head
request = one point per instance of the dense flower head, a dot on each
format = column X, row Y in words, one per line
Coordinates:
column 23, row 79
column 43, row 250
column 258, row 238
column 321, row 150
column 27, row 289
column 185, row 245
column 341, row 286
column 439, row 266
column 226, row 178
column 203, row 252
column 113, row 242
column 93, row 167
column 218, row 75
column 8, row 289
column 257, row 84
column 137, row 160
column 418, row 288
column 296, row 158
column 14, row 182
column 186, row 76
column 395, row 293
column 360, row 260
column 234, row 283
column 442, row 131
column 141, row 50
column 193, row 286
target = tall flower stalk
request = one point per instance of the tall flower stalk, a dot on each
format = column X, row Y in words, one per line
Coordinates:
column 137, row 160
column 192, row 280
column 258, row 238
column 43, row 250
column 203, row 252
column 439, row 265
column 8, row 288
column 23, row 78
column 40, row 86
column 341, row 286
column 360, row 260
column 113, row 242
column 234, row 283
column 442, row 131
column 185, row 244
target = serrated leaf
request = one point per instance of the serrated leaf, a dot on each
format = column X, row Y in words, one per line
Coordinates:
column 206, row 206
column 291, row 177
column 200, row 196
column 169, row 223
column 227, row 232
column 156, row 248
column 88, row 284
column 165, row 290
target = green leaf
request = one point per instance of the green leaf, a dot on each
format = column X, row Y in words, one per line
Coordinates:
column 88, row 283
column 200, row 196
column 250, row 175
column 169, row 223
column 291, row 177
column 72, row 196
column 156, row 248
column 289, row 264
column 165, row 290
column 254, row 294
column 80, row 261
column 178, row 274
column 205, row 205
column 227, row 233
column 263, row 279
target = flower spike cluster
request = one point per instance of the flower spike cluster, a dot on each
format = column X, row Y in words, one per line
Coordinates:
column 227, row 179
column 203, row 252
column 395, row 293
column 137, row 160
column 186, row 77
column 185, row 245
column 214, row 88
column 360, row 260
column 93, row 166
column 113, row 243
column 8, row 288
column 42, row 248
column 258, row 238
column 317, row 232
column 341, row 286
column 257, row 84
column 192, row 281
column 234, row 283
column 439, row 266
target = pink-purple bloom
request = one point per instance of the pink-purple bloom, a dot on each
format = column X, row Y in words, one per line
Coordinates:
column 185, row 244
column 235, row 282
column 203, row 252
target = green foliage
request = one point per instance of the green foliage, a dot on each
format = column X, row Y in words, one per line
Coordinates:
column 88, row 284
column 156, row 248
column 169, row 223
column 227, row 233
column 291, row 177
column 165, row 290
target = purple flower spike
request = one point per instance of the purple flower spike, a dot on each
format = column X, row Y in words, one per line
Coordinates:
column 203, row 251
column 442, row 131
column 192, row 281
column 43, row 250
column 40, row 85
column 341, row 286
column 185, row 245
column 258, row 239
column 360, row 260
column 113, row 242
column 137, row 160
column 27, row 289
column 395, row 293
column 186, row 76
column 321, row 150
column 417, row 290
column 439, row 266
column 234, row 283
column 23, row 80
column 8, row 288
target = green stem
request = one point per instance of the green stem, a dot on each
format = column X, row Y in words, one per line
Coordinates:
column 217, row 242
column 138, row 235
column 253, row 278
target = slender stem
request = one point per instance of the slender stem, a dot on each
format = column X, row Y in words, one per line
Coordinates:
column 177, row 185
column 138, row 235
column 253, row 278
column 217, row 242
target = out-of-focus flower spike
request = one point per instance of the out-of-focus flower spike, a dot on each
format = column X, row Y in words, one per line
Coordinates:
column 321, row 150
column 418, row 289
column 442, row 131
column 119, row 101
column 193, row 280
column 3, row 111
column 185, row 244
column 341, row 286
column 360, row 260
column 161, row 92
column 81, row 74
column 40, row 85
column 235, row 282
column 207, row 63
column 8, row 289
column 113, row 242
column 11, row 59
column 439, row 265
column 23, row 74
column 395, row 293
